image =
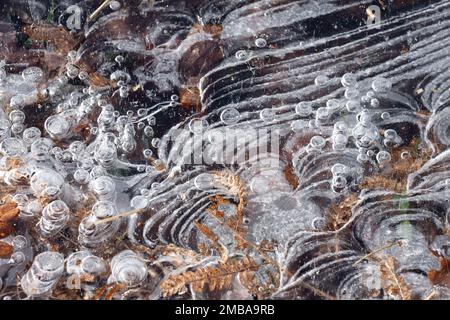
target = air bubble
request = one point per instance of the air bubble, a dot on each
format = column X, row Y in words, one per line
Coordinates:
column 333, row 105
column 32, row 74
column 267, row 115
column 317, row 142
column 261, row 42
column 385, row 115
column 13, row 147
column 351, row 93
column 383, row 157
column 230, row 116
column 381, row 85
column 204, row 181
column 114, row 5
column 128, row 268
column 349, row 80
column 148, row 131
column 242, row 55
column 139, row 202
column 304, row 109
column 321, row 80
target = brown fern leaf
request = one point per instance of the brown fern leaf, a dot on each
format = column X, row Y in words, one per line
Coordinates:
column 374, row 182
column 214, row 240
column 217, row 278
column 341, row 212
column 393, row 284
column 234, row 224
column 235, row 186
column 207, row 232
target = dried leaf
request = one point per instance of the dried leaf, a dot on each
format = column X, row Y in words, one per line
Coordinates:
column 291, row 177
column 393, row 284
column 214, row 240
column 63, row 40
column 5, row 250
column 8, row 215
column 235, row 186
column 190, row 98
column 441, row 276
column 341, row 212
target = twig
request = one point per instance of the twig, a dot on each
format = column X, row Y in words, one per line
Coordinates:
column 387, row 246
column 98, row 10
column 118, row 216
column 431, row 295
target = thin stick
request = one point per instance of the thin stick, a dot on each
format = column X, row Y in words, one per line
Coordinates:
column 98, row 10
column 431, row 295
column 117, row 217
column 387, row 246
column 317, row 291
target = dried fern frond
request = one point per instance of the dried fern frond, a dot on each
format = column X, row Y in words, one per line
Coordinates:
column 341, row 212
column 217, row 278
column 234, row 224
column 187, row 255
column 393, row 284
column 108, row 291
column 214, row 240
column 235, row 186
column 375, row 182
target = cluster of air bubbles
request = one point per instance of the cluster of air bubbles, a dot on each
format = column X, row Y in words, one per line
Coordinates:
column 128, row 268
column 95, row 230
column 54, row 218
column 43, row 275
column 340, row 137
column 339, row 180
column 358, row 129
column 391, row 138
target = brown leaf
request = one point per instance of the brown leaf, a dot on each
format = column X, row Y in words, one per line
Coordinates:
column 8, row 215
column 5, row 250
column 190, row 98
column 341, row 212
column 393, row 284
column 63, row 40
column 441, row 276
column 290, row 176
